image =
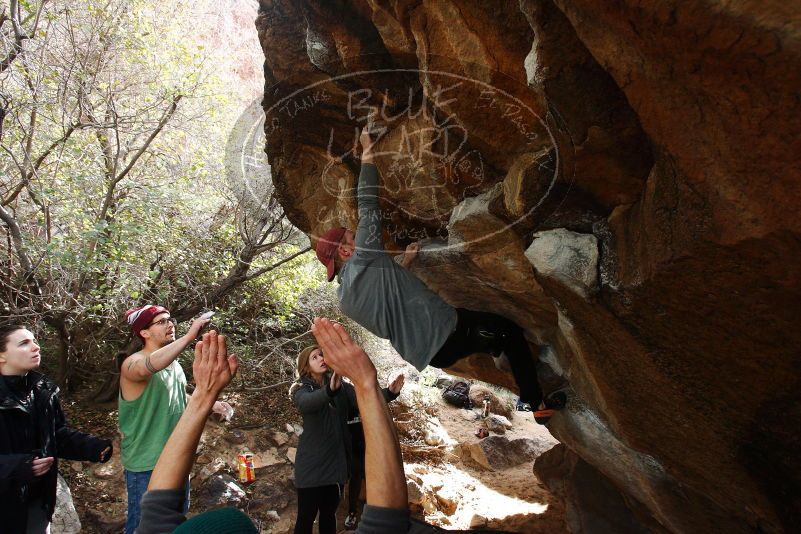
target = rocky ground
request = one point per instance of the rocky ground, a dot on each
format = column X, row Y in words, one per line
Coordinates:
column 455, row 479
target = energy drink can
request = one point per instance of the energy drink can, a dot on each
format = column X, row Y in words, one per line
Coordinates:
column 247, row 473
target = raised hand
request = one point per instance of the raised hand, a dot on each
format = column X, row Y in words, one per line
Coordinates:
column 197, row 325
column 213, row 368
column 410, row 254
column 367, row 146
column 397, row 384
column 342, row 354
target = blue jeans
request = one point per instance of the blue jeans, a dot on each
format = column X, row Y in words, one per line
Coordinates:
column 137, row 486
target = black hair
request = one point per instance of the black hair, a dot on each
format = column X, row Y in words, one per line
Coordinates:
column 6, row 329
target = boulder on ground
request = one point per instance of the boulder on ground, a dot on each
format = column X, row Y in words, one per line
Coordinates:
column 65, row 517
column 212, row 468
column 499, row 452
column 497, row 423
column 477, row 395
column 278, row 439
column 220, row 490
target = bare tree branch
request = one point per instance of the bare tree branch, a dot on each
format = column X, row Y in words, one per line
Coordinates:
column 164, row 119
column 276, row 265
column 35, row 166
column 22, row 253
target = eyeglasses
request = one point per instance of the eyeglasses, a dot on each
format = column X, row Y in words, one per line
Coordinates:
column 163, row 322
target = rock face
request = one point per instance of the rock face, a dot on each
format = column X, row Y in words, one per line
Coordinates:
column 592, row 503
column 621, row 179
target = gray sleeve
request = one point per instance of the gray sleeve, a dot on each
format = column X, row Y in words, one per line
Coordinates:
column 310, row 401
column 378, row 520
column 162, row 511
column 369, row 239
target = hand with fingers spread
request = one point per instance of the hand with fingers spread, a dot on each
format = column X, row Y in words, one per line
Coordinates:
column 342, row 354
column 213, row 368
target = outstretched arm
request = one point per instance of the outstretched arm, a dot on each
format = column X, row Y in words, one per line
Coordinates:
column 213, row 369
column 386, row 482
column 139, row 367
column 368, row 232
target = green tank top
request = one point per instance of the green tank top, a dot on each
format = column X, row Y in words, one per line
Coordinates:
column 147, row 422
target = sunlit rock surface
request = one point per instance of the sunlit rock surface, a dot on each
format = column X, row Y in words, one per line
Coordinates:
column 667, row 133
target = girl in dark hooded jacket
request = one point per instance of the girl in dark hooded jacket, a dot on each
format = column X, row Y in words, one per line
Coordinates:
column 328, row 449
column 33, row 434
column 321, row 462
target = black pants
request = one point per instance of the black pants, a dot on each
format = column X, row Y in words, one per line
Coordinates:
column 322, row 499
column 493, row 334
column 357, row 466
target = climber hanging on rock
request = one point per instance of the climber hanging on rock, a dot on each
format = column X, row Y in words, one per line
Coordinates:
column 383, row 296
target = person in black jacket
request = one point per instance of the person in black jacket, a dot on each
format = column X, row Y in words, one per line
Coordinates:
column 33, row 433
column 322, row 459
column 325, row 455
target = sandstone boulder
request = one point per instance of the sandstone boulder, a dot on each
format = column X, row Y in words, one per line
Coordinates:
column 665, row 131
column 278, row 439
column 498, row 452
column 498, row 424
column 570, row 257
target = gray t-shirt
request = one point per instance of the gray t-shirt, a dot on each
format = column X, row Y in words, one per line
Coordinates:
column 385, row 298
column 377, row 520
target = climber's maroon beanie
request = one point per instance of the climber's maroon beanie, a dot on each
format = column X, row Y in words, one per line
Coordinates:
column 327, row 247
column 140, row 318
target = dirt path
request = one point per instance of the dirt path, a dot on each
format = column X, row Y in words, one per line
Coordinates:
column 470, row 495
column 456, row 492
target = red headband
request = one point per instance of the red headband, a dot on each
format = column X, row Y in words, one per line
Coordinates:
column 139, row 318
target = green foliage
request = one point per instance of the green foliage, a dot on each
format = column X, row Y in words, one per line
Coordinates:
column 114, row 141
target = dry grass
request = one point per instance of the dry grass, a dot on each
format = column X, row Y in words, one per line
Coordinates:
column 412, row 423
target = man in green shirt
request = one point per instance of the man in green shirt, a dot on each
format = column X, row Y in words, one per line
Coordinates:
column 152, row 398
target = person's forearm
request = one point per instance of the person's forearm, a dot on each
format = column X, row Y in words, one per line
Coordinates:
column 163, row 357
column 386, row 482
column 369, row 233
column 367, row 190
column 176, row 459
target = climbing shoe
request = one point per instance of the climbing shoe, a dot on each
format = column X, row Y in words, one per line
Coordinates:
column 350, row 522
column 554, row 401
